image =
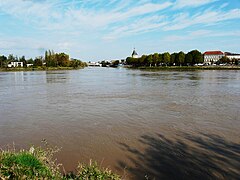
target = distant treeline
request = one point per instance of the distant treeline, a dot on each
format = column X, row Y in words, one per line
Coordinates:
column 156, row 59
column 61, row 59
column 51, row 59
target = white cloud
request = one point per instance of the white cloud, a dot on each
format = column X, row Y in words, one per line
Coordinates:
column 184, row 20
column 84, row 18
column 199, row 34
column 192, row 3
column 140, row 26
column 80, row 25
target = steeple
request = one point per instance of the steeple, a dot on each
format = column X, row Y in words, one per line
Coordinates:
column 134, row 54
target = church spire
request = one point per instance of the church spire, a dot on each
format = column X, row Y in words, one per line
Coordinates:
column 134, row 54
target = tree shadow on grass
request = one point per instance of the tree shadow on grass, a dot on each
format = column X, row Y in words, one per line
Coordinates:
column 204, row 156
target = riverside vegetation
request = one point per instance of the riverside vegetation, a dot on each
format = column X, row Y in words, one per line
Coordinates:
column 38, row 163
column 51, row 61
column 175, row 59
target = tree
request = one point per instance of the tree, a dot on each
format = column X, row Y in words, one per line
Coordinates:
column 115, row 63
column 181, row 57
column 47, row 58
column 166, row 57
column 155, row 59
column 189, row 58
column 144, row 60
column 62, row 59
column 22, row 59
column 105, row 63
column 76, row 63
column 50, row 59
column 173, row 58
column 224, row 59
column 236, row 61
column 160, row 58
column 30, row 61
column 197, row 56
column 3, row 61
column 38, row 61
column 150, row 60
column 11, row 58
column 129, row 61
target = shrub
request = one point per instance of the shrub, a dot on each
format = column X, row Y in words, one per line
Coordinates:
column 38, row 163
column 33, row 164
column 93, row 171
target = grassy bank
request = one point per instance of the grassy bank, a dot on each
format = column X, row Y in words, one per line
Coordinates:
column 38, row 69
column 38, row 163
column 189, row 68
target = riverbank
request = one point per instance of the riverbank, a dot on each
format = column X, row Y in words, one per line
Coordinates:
column 39, row 163
column 38, row 69
column 188, row 68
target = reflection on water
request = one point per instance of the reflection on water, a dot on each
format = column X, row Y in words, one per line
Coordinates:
column 90, row 112
column 57, row 76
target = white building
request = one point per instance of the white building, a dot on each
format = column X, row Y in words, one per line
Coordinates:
column 211, row 57
column 134, row 54
column 15, row 64
column 94, row 64
column 232, row 56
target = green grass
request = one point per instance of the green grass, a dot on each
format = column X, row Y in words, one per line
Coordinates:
column 38, row 163
column 23, row 165
column 93, row 171
column 33, row 164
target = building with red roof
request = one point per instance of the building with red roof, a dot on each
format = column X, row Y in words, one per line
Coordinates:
column 211, row 57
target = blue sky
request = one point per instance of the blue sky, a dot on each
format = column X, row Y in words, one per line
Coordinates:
column 101, row 30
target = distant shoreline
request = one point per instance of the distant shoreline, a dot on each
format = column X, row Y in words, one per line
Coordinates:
column 38, row 69
column 191, row 68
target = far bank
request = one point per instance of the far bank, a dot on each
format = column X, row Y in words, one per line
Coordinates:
column 187, row 68
column 39, row 69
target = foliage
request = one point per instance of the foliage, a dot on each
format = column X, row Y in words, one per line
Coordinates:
column 38, row 61
column 11, row 57
column 197, row 56
column 115, row 63
column 105, row 63
column 33, row 164
column 224, row 59
column 3, row 61
column 166, row 58
column 173, row 58
column 51, row 59
column 181, row 57
column 189, row 58
column 30, row 61
column 38, row 163
column 93, row 171
column 236, row 62
column 22, row 59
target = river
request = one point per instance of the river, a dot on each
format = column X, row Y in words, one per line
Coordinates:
column 162, row 124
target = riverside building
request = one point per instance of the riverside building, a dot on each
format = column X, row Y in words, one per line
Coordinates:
column 15, row 64
column 211, row 57
column 232, row 56
column 134, row 54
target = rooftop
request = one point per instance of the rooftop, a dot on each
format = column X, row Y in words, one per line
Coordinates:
column 134, row 52
column 213, row 53
column 229, row 53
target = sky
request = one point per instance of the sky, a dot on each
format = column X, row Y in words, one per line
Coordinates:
column 95, row 30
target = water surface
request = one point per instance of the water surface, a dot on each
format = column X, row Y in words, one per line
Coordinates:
column 163, row 124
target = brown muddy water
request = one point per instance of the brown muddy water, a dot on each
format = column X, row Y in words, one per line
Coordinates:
column 141, row 124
